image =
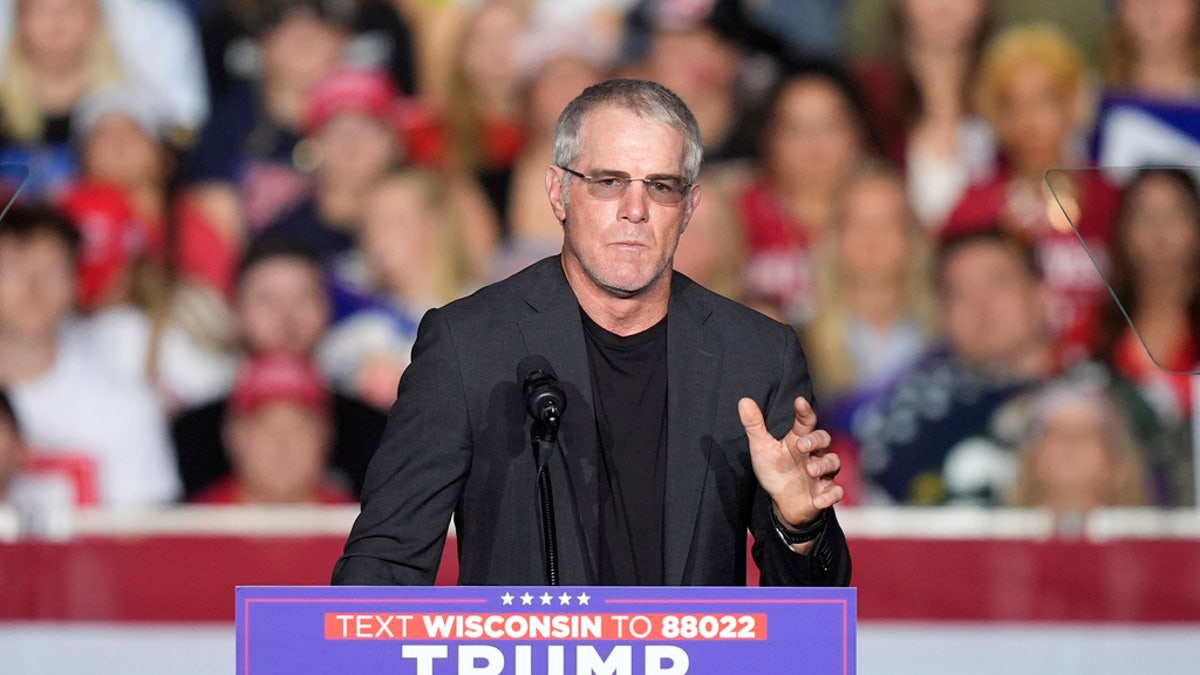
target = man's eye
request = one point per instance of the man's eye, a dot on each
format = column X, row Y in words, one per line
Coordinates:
column 665, row 188
column 609, row 182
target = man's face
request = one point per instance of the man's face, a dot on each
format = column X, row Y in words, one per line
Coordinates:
column 622, row 246
column 282, row 307
column 37, row 286
column 994, row 309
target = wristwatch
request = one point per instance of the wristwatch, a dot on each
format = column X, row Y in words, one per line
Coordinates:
column 792, row 536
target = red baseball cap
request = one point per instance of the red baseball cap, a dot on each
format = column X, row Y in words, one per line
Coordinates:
column 357, row 90
column 112, row 238
column 278, row 377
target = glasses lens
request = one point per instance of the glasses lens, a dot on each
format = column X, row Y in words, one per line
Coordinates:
column 665, row 190
column 607, row 187
column 662, row 190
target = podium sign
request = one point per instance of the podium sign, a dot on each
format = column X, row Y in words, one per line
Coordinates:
column 499, row 630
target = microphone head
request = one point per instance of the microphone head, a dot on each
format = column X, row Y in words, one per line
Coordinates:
column 532, row 365
column 545, row 399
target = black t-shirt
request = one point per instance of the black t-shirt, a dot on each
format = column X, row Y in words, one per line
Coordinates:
column 629, row 378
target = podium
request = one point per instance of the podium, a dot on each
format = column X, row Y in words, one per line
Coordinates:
column 503, row 630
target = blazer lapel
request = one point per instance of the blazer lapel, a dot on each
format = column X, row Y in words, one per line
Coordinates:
column 693, row 367
column 555, row 331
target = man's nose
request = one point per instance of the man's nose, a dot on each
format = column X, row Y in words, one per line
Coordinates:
column 635, row 202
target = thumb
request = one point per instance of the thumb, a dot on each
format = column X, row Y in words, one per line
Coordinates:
column 752, row 420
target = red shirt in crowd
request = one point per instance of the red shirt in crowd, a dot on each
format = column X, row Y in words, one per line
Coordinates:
column 779, row 264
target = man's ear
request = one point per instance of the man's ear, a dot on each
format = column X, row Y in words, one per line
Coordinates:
column 554, row 185
column 692, row 203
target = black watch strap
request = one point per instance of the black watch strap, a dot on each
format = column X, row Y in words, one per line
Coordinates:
column 806, row 534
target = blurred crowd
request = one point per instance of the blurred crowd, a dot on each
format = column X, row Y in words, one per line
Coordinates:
column 228, row 217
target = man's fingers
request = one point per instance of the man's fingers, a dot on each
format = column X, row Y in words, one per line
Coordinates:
column 827, row 465
column 806, row 417
column 829, row 497
column 814, row 442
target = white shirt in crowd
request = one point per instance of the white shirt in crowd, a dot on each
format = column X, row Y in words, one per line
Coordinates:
column 80, row 406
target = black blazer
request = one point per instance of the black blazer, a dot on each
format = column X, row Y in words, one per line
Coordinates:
column 457, row 441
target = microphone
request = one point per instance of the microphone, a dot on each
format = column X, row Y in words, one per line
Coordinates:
column 545, row 399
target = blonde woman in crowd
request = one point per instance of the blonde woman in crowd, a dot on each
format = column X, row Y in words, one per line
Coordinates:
column 410, row 243
column 62, row 48
column 876, row 310
column 556, row 62
column 58, row 51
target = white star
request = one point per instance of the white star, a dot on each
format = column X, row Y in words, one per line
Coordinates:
column 507, row 598
column 527, row 599
column 546, row 598
column 564, row 599
column 583, row 598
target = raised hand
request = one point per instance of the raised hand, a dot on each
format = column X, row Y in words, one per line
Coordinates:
column 797, row 471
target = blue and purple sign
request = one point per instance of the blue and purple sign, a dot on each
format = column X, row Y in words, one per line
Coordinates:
column 498, row 630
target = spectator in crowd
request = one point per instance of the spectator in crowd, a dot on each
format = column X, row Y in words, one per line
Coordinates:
column 556, row 63
column 1032, row 89
column 150, row 324
column 1155, row 268
column 812, row 135
column 278, row 433
column 485, row 114
column 247, row 167
column 281, row 306
column 354, row 122
column 413, row 262
column 919, row 100
column 1078, row 455
column 944, row 433
column 153, row 272
column 59, row 49
column 70, row 405
column 699, row 50
column 876, row 311
column 122, row 134
column 1150, row 112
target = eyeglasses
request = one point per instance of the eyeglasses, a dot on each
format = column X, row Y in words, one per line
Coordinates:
column 666, row 190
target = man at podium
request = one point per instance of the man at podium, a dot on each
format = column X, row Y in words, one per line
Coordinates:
column 679, row 420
